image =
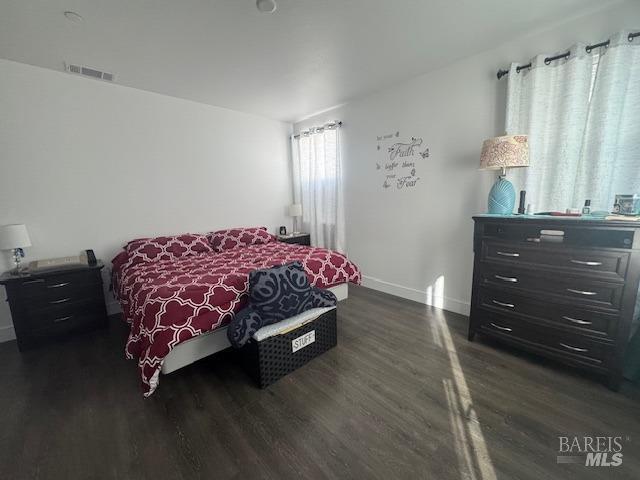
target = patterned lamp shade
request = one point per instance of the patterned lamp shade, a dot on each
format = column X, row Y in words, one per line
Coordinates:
column 505, row 152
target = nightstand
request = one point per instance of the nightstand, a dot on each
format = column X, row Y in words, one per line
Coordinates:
column 52, row 304
column 298, row 238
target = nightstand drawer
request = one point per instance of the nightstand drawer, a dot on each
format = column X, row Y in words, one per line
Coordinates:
column 564, row 316
column 610, row 265
column 578, row 290
column 67, row 318
column 58, row 285
column 52, row 299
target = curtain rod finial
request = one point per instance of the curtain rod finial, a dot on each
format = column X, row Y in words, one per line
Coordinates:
column 501, row 73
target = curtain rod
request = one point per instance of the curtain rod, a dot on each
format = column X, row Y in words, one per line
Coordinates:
column 328, row 126
column 501, row 73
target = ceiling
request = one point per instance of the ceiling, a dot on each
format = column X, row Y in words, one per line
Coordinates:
column 307, row 56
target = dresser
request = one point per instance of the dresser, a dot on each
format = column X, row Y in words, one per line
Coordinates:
column 564, row 288
column 54, row 304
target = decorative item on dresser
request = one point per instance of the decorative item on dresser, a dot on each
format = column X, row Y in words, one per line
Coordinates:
column 55, row 303
column 500, row 153
column 562, row 287
column 299, row 238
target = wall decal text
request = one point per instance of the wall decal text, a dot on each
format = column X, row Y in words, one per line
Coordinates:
column 399, row 161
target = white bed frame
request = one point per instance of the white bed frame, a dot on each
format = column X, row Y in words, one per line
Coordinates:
column 214, row 341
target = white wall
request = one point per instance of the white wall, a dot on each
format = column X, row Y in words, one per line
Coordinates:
column 88, row 164
column 417, row 243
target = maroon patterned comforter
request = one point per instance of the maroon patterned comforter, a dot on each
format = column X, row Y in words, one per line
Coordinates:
column 169, row 301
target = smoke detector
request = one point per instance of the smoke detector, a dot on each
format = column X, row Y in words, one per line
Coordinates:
column 89, row 72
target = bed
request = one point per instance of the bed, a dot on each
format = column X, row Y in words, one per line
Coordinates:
column 179, row 293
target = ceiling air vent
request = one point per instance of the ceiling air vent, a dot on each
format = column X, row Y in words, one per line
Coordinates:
column 89, row 72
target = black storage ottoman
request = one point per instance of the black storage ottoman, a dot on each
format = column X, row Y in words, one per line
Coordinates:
column 272, row 358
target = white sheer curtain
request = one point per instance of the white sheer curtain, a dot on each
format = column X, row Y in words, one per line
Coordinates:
column 612, row 139
column 317, row 181
column 582, row 115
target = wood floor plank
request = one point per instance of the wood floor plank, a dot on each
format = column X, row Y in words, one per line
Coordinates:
column 403, row 395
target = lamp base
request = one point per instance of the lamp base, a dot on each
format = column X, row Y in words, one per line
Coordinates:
column 502, row 197
column 18, row 270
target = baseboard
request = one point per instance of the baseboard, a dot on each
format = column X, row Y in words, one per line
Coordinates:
column 446, row 303
column 7, row 333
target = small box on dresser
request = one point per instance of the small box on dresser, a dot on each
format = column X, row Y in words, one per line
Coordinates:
column 562, row 288
column 53, row 304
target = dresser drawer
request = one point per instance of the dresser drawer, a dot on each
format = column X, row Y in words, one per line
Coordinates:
column 609, row 265
column 581, row 235
column 577, row 290
column 564, row 316
column 573, row 348
column 58, row 286
column 63, row 318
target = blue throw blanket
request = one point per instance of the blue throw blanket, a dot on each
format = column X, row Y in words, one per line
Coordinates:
column 274, row 295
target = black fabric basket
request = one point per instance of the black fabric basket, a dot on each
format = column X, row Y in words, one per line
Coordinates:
column 273, row 358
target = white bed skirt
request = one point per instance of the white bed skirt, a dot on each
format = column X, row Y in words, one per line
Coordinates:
column 212, row 342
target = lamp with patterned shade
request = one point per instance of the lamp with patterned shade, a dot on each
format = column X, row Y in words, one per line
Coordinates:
column 500, row 153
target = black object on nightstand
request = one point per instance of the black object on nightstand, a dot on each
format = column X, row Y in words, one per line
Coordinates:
column 52, row 304
column 297, row 238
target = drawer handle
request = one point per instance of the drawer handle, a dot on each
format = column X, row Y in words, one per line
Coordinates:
column 502, row 304
column 57, row 285
column 499, row 327
column 29, row 282
column 62, row 300
column 574, row 349
column 62, row 319
column 508, row 254
column 575, row 320
column 588, row 264
column 506, row 279
column 581, row 292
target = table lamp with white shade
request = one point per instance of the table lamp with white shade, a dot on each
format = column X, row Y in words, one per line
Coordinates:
column 15, row 237
column 500, row 153
column 295, row 211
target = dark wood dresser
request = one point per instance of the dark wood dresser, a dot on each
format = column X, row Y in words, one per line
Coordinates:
column 55, row 303
column 564, row 288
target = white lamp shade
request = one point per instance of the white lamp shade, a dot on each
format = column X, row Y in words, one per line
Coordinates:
column 295, row 210
column 505, row 152
column 14, row 236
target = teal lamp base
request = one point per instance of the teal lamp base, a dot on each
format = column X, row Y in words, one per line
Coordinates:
column 502, row 197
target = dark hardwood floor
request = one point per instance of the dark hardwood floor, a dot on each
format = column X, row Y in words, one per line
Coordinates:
column 404, row 395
